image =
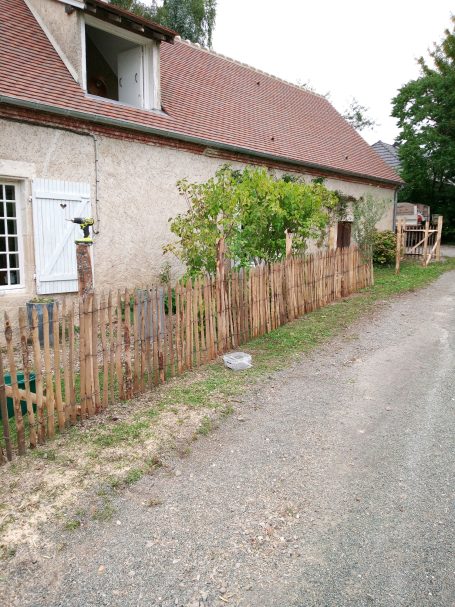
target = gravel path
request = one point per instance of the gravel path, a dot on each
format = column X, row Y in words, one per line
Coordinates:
column 331, row 486
column 448, row 250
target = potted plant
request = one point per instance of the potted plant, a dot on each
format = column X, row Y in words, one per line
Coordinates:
column 38, row 304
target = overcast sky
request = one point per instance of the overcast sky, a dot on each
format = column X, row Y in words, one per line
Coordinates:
column 352, row 48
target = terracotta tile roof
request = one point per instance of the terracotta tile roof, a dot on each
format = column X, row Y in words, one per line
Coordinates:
column 205, row 96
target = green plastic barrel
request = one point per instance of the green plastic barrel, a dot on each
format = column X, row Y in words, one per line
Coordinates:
column 21, row 385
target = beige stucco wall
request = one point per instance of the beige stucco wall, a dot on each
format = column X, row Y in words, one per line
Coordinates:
column 65, row 28
column 27, row 152
column 137, row 195
column 359, row 189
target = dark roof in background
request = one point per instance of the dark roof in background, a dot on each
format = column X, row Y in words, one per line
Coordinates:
column 205, row 97
column 388, row 152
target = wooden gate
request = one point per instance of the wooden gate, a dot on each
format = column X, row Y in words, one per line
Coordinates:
column 419, row 242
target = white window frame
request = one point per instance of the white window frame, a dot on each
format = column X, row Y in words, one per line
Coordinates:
column 150, row 63
column 18, row 190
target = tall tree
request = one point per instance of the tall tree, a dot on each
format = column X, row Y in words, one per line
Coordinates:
column 192, row 19
column 425, row 109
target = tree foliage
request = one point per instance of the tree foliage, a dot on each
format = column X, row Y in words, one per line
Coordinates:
column 357, row 116
column 367, row 211
column 252, row 210
column 192, row 19
column 425, row 109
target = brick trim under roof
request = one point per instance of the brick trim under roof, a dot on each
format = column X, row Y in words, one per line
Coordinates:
column 206, row 98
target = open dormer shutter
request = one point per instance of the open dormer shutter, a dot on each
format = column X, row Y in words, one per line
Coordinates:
column 55, row 252
column 130, row 77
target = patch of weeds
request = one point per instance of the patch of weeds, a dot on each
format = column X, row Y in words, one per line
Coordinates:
column 121, row 432
column 227, row 410
column 194, row 395
column 134, row 475
column 151, row 413
column 115, row 482
column 104, row 513
column 72, row 524
column 48, row 454
column 205, row 426
column 153, row 463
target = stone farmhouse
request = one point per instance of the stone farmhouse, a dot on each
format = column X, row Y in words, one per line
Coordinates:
column 102, row 112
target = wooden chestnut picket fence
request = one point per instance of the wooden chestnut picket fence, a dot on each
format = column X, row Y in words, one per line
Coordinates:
column 109, row 347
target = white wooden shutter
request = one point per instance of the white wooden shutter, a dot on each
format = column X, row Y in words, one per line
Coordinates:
column 55, row 251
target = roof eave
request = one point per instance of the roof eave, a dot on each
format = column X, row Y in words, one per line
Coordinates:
column 134, row 126
column 125, row 19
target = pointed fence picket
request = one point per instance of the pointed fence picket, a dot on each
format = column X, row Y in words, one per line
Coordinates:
column 119, row 345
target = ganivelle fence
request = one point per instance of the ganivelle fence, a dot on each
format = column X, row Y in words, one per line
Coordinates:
column 110, row 347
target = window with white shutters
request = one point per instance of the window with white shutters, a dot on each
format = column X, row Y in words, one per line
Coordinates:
column 54, row 202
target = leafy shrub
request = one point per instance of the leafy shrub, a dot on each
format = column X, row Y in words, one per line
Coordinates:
column 384, row 247
column 252, row 209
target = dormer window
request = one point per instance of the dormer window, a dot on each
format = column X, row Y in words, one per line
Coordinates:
column 121, row 65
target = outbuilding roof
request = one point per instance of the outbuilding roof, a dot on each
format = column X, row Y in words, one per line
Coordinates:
column 388, row 152
column 206, row 98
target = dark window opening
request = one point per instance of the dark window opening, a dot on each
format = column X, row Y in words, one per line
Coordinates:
column 114, row 67
column 344, row 234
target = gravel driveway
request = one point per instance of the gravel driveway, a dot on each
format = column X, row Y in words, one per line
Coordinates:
column 332, row 485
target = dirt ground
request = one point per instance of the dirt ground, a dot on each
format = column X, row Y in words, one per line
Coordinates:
column 106, row 452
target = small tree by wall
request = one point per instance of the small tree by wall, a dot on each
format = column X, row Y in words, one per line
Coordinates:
column 252, row 210
column 367, row 211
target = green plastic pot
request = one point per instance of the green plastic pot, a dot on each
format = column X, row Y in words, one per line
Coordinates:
column 21, row 385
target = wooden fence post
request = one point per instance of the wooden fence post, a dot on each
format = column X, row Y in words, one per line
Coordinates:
column 332, row 238
column 84, row 269
column 15, row 388
column 288, row 244
column 287, row 276
column 438, row 238
column 221, row 298
column 399, row 242
column 425, row 244
column 4, row 412
column 26, row 368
